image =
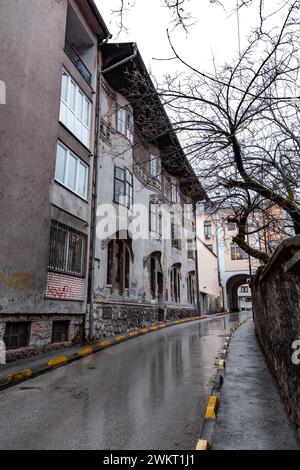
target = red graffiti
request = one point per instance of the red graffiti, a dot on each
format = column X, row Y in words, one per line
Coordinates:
column 58, row 292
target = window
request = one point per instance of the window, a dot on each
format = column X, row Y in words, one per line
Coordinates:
column 71, row 171
column 244, row 289
column 209, row 247
column 60, row 331
column 231, row 226
column 191, row 288
column 155, row 221
column 16, row 335
column 190, row 249
column 237, row 253
column 123, row 187
column 175, row 233
column 75, row 109
column 125, row 122
column 175, row 284
column 118, row 265
column 154, row 166
column 67, row 250
column 175, row 198
column 207, row 229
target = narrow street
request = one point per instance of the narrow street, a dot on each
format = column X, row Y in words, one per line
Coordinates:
column 148, row 393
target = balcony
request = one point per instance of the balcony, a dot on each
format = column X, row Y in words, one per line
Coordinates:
column 80, row 47
column 75, row 58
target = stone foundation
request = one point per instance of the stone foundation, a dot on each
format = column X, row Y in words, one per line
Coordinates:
column 111, row 318
column 41, row 333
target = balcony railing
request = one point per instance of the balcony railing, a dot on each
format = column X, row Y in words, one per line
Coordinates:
column 81, row 67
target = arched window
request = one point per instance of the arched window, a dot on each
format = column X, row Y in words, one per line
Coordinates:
column 191, row 288
column 175, row 283
column 118, row 265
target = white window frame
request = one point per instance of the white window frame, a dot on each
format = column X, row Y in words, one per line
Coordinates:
column 154, row 166
column 77, row 121
column 64, row 181
column 175, row 197
column 124, row 122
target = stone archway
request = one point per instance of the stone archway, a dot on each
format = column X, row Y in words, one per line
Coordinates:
column 232, row 285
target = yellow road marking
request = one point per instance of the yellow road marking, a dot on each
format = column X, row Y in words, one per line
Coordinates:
column 121, row 338
column 133, row 333
column 85, row 352
column 211, row 410
column 58, row 361
column 24, row 374
column 202, row 445
column 104, row 344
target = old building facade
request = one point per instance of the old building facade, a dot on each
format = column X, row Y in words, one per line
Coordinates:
column 49, row 64
column 144, row 267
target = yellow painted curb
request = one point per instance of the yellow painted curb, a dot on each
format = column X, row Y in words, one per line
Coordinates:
column 85, row 352
column 120, row 338
column 133, row 334
column 162, row 326
column 58, row 361
column 24, row 374
column 202, row 445
column 144, row 330
column 212, row 406
column 153, row 328
column 104, row 344
column 222, row 364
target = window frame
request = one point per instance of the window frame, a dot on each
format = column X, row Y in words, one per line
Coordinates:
column 155, row 232
column 68, row 154
column 237, row 253
column 207, row 228
column 175, row 196
column 127, row 183
column 8, row 335
column 84, row 119
column 125, row 126
column 65, row 252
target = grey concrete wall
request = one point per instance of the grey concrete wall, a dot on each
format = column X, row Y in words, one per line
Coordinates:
column 276, row 306
column 31, row 56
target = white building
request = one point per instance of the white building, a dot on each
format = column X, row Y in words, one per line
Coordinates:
column 142, row 271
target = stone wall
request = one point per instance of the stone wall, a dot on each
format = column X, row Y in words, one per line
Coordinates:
column 276, row 307
column 40, row 337
column 114, row 318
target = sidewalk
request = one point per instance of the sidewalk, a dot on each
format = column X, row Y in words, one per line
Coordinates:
column 251, row 415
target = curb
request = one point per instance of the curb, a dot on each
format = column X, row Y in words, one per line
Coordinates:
column 19, row 376
column 210, row 416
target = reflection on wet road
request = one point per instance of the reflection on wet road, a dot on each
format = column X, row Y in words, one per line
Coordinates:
column 148, row 393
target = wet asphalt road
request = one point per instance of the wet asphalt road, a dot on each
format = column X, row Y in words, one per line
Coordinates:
column 147, row 393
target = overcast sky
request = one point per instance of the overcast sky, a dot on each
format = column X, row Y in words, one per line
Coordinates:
column 215, row 32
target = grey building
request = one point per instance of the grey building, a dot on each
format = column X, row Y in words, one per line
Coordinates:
column 49, row 66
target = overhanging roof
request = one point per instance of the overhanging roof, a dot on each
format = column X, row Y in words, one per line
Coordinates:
column 120, row 60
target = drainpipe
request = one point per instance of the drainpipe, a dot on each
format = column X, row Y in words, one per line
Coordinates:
column 196, row 261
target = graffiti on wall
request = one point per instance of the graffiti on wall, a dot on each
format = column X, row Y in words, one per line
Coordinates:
column 17, row 281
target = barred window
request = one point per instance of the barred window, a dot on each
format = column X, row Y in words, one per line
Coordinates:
column 16, row 334
column 67, row 250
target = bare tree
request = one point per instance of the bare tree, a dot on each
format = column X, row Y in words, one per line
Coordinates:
column 239, row 126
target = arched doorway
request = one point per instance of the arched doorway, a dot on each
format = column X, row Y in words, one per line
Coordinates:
column 232, row 285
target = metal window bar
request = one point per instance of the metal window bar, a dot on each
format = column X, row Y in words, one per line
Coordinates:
column 67, row 250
